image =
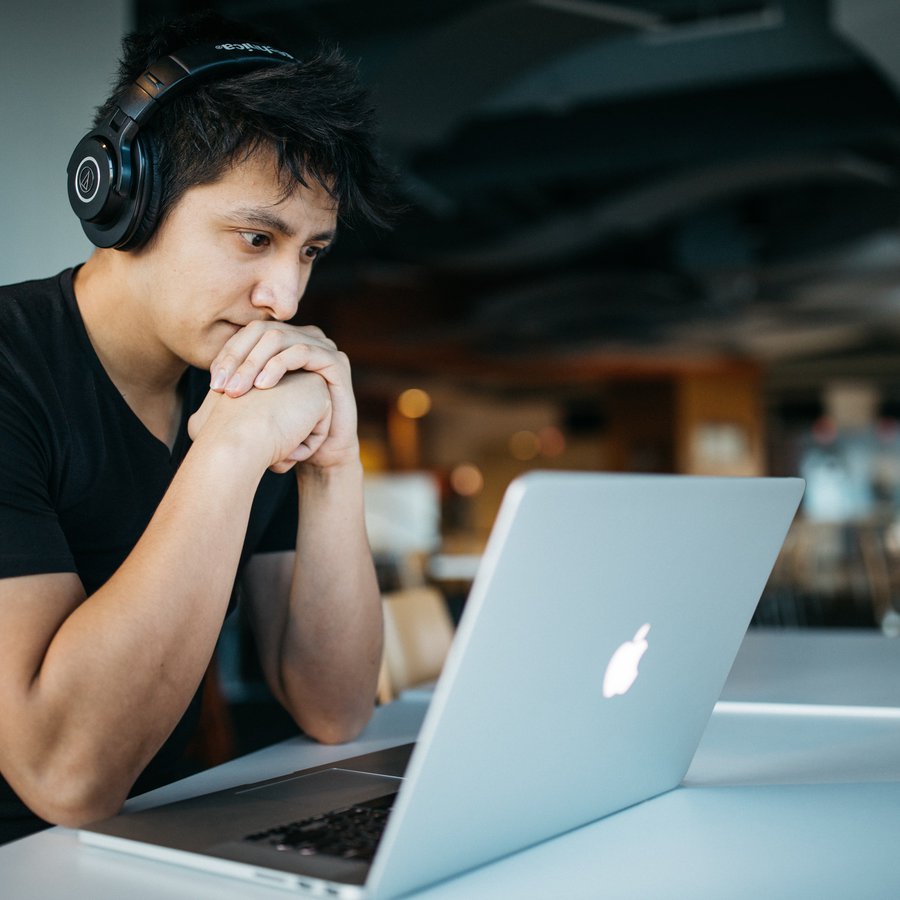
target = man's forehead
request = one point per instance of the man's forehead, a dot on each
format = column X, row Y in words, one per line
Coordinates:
column 261, row 182
column 253, row 197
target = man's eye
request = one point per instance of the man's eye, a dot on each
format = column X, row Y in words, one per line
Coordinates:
column 254, row 238
column 315, row 252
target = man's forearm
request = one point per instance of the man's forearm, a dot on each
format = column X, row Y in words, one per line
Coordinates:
column 331, row 647
column 121, row 669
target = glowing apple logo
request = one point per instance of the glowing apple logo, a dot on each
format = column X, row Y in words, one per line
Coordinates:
column 623, row 666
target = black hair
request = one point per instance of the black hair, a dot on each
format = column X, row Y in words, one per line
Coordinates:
column 313, row 114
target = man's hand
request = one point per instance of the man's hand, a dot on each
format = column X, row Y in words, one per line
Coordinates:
column 262, row 353
column 289, row 423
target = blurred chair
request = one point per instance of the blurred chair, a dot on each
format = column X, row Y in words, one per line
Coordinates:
column 214, row 740
column 418, row 631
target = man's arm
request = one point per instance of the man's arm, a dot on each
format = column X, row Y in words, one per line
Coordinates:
column 316, row 613
column 94, row 685
column 316, row 616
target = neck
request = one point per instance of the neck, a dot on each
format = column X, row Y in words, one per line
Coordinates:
column 115, row 309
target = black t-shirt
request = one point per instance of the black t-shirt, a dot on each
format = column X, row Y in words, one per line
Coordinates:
column 81, row 476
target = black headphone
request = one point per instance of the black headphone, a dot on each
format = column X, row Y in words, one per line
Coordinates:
column 112, row 180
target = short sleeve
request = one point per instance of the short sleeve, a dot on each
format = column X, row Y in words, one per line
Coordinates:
column 31, row 538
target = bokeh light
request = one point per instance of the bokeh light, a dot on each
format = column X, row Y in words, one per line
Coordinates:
column 466, row 479
column 552, row 441
column 414, row 403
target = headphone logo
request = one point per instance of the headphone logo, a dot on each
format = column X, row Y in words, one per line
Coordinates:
column 251, row 48
column 87, row 179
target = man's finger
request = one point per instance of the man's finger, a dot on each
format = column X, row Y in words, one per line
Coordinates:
column 327, row 363
column 246, row 353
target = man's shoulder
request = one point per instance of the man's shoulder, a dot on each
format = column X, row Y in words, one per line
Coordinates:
column 33, row 312
column 35, row 293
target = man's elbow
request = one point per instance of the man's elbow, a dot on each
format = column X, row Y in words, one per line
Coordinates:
column 70, row 800
column 329, row 729
column 77, row 814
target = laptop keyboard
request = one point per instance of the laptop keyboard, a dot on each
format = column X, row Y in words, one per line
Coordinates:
column 350, row 833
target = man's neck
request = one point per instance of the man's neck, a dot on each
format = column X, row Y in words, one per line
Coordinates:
column 144, row 371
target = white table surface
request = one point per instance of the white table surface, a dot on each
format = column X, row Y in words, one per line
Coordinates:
column 799, row 800
column 846, row 667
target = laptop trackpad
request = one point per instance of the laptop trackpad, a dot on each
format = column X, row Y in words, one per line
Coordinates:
column 324, row 791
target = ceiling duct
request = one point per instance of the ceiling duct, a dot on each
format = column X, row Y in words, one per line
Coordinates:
column 872, row 27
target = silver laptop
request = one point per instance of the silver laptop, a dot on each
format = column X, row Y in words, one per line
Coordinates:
column 598, row 633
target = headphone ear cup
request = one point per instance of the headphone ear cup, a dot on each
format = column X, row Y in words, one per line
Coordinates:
column 90, row 179
column 148, row 196
column 106, row 184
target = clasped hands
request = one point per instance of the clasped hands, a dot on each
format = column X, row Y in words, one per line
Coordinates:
column 262, row 356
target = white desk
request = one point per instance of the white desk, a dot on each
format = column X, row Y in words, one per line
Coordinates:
column 854, row 668
column 774, row 805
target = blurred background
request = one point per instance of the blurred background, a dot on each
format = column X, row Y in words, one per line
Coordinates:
column 660, row 236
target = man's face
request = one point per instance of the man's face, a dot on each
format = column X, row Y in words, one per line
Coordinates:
column 229, row 253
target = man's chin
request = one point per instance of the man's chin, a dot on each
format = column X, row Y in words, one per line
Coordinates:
column 219, row 335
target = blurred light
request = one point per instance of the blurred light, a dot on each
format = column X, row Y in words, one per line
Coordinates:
column 373, row 455
column 466, row 479
column 414, row 403
column 552, row 441
column 814, row 710
column 524, row 445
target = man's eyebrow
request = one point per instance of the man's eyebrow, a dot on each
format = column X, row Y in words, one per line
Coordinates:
column 328, row 236
column 264, row 218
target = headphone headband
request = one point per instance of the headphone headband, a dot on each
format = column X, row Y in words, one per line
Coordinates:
column 185, row 68
column 110, row 178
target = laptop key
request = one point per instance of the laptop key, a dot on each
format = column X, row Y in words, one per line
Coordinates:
column 349, row 833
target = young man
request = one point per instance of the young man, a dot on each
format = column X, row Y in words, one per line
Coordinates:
column 165, row 431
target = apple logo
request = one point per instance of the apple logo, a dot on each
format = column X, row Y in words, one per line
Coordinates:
column 622, row 669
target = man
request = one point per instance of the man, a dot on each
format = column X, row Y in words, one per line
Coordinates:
column 164, row 431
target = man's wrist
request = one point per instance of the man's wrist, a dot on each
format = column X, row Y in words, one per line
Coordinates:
column 337, row 483
column 237, row 451
column 328, row 464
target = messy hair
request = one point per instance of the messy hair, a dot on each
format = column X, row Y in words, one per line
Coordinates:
column 313, row 114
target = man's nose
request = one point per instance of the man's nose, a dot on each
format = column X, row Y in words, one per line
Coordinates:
column 279, row 290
